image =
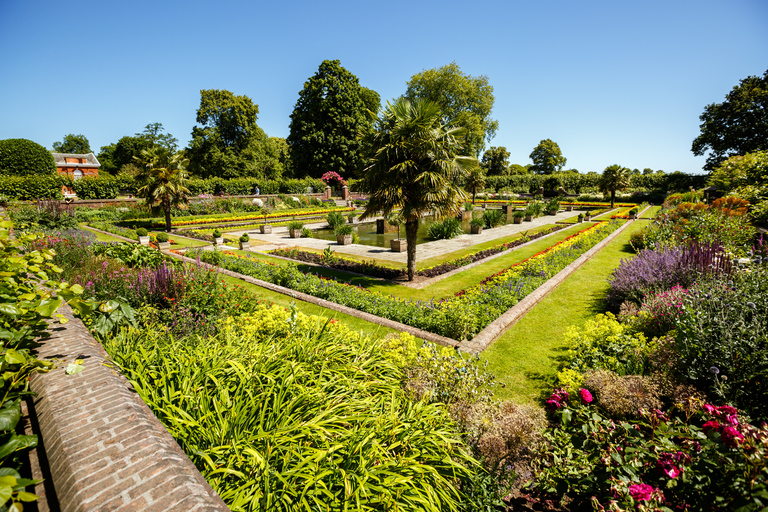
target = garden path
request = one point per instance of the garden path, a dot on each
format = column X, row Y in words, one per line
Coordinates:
column 280, row 238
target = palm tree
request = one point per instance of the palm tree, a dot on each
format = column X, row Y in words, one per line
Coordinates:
column 614, row 178
column 475, row 181
column 416, row 166
column 163, row 175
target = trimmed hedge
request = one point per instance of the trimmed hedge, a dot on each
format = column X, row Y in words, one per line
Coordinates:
column 22, row 157
column 26, row 189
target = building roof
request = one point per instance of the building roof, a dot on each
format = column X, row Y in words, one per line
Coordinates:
column 90, row 160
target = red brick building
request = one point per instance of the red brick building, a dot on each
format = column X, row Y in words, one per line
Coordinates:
column 76, row 167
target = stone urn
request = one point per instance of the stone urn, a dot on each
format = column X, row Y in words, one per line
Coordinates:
column 398, row 245
column 144, row 240
column 245, row 246
column 164, row 246
column 344, row 239
column 552, row 212
column 528, row 218
column 265, row 229
column 587, row 216
column 569, row 208
column 295, row 233
column 517, row 220
column 476, row 230
column 464, row 215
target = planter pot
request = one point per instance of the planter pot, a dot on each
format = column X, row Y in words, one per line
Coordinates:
column 144, row 240
column 552, row 212
column 587, row 217
column 219, row 241
column 164, row 246
column 344, row 239
column 464, row 216
column 244, row 246
column 632, row 216
column 528, row 218
column 295, row 233
column 399, row 245
column 569, row 208
column 265, row 229
column 517, row 220
column 581, row 219
column 476, row 230
column 506, row 209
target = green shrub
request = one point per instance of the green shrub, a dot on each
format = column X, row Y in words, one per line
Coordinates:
column 26, row 189
column 334, row 220
column 216, row 233
column 142, row 232
column 102, row 187
column 477, row 222
column 445, row 229
column 343, row 230
column 162, row 237
column 245, row 238
column 493, row 218
column 133, row 255
column 306, row 233
column 295, row 224
column 22, row 157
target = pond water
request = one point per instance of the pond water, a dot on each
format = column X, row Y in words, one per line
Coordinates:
column 368, row 236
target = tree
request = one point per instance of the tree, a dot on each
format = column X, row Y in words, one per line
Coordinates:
column 22, row 157
column 495, row 161
column 547, row 158
column 328, row 122
column 228, row 143
column 465, row 100
column 517, row 169
column 737, row 171
column 614, row 178
column 737, row 126
column 475, row 181
column 162, row 177
column 73, row 144
column 125, row 151
column 154, row 133
column 416, row 167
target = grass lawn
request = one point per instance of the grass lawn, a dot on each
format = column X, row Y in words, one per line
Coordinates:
column 100, row 237
column 527, row 357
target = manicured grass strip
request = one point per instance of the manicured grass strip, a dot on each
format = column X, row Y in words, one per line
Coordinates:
column 100, row 237
column 651, row 212
column 183, row 242
column 527, row 357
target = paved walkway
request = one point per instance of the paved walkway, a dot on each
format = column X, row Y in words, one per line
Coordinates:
column 280, row 238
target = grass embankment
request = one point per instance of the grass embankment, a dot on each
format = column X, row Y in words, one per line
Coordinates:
column 100, row 237
column 527, row 357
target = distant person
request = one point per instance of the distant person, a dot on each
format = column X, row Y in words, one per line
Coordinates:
column 257, row 190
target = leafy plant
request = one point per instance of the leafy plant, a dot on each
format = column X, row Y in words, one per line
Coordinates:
column 343, row 230
column 445, row 229
column 295, row 224
column 244, row 238
column 162, row 237
column 492, row 218
column 142, row 232
column 334, row 220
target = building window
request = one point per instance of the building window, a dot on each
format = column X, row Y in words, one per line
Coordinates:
column 78, row 174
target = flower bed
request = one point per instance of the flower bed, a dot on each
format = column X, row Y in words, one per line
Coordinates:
column 459, row 317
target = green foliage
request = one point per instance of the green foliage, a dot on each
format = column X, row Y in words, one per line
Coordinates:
column 334, row 220
column 615, row 178
column 25, row 189
column 547, row 158
column 493, row 218
column 228, row 143
column 295, row 224
column 162, row 237
column 362, row 446
column 466, row 100
column 417, row 167
column 141, row 232
column 328, row 120
column 495, row 161
column 101, row 187
column 343, row 229
column 22, row 157
column 245, row 238
column 445, row 229
column 737, row 126
column 43, row 215
column 163, row 178
column 133, row 255
column 74, row 144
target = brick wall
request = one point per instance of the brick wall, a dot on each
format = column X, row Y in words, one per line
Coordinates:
column 105, row 449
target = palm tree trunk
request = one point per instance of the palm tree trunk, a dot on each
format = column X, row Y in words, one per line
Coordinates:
column 167, row 210
column 613, row 197
column 411, row 231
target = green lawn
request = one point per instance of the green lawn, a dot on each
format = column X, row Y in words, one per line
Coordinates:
column 527, row 357
column 100, row 237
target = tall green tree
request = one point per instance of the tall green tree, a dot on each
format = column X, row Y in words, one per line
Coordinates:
column 495, row 161
column 417, row 166
column 22, row 157
column 737, row 126
column 125, row 151
column 465, row 100
column 614, row 178
column 517, row 169
column 228, row 143
column 74, row 144
column 154, row 133
column 162, row 178
column 329, row 121
column 547, row 158
column 475, row 181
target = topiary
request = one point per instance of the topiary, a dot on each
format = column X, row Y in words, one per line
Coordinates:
column 141, row 232
column 162, row 237
column 245, row 238
column 216, row 233
column 22, row 157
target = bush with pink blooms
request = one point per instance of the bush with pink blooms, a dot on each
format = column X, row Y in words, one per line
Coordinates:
column 692, row 457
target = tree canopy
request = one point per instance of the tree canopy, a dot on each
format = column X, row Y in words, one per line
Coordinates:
column 416, row 167
column 73, row 144
column 495, row 161
column 737, row 126
column 125, row 151
column 329, row 121
column 22, row 157
column 162, row 178
column 228, row 143
column 614, row 178
column 547, row 158
column 465, row 100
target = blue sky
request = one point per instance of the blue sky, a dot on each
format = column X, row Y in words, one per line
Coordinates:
column 610, row 82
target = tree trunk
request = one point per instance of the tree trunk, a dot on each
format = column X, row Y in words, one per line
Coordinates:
column 411, row 233
column 167, row 210
column 613, row 197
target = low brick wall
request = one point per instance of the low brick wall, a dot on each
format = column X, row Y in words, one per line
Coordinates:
column 105, row 449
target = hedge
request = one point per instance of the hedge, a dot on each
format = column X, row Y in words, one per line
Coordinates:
column 22, row 157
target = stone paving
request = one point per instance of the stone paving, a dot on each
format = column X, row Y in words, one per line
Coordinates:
column 280, row 238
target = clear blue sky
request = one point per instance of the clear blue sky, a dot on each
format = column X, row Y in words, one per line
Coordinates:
column 609, row 81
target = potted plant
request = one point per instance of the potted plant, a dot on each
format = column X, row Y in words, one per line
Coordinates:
column 399, row 244
column 633, row 213
column 569, row 208
column 343, row 234
column 581, row 217
column 143, row 236
column 529, row 213
column 218, row 238
column 466, row 213
column 245, row 242
column 476, row 225
column 294, row 228
column 587, row 215
column 518, row 217
column 553, row 206
column 265, row 228
column 162, row 241
column 351, row 218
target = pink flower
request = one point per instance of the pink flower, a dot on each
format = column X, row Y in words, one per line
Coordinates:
column 710, row 426
column 586, row 396
column 665, row 464
column 709, row 409
column 731, row 437
column 641, row 492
